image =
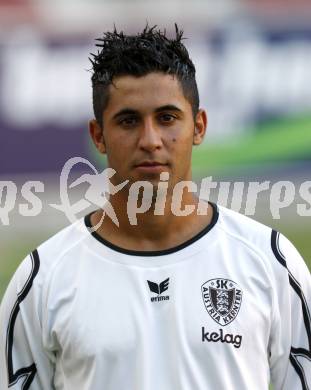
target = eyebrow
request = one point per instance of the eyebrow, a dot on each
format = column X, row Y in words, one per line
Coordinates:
column 168, row 107
column 130, row 111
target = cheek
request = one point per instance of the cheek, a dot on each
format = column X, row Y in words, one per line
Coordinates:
column 180, row 150
column 181, row 136
column 117, row 144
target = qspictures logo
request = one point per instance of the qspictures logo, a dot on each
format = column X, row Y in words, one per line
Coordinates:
column 142, row 193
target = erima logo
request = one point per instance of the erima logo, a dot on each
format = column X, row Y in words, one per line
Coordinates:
column 159, row 289
column 224, row 338
column 222, row 299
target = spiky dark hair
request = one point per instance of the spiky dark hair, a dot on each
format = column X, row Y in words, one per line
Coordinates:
column 138, row 55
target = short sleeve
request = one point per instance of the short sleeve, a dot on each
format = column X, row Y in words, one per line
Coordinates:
column 24, row 364
column 290, row 347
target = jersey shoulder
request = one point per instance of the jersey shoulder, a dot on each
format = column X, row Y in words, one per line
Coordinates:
column 272, row 246
column 40, row 262
column 64, row 240
column 244, row 229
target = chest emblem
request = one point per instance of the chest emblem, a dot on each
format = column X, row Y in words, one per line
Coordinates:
column 222, row 299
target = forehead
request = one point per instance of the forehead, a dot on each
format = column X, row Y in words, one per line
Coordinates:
column 145, row 92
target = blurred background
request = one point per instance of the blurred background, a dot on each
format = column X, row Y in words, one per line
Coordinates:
column 253, row 61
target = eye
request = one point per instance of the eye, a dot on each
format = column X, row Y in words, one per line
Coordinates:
column 167, row 118
column 128, row 121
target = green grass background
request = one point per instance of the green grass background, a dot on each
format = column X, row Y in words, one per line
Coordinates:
column 275, row 142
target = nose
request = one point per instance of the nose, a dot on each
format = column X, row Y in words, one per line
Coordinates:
column 150, row 137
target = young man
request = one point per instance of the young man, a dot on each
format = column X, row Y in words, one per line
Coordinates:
column 207, row 300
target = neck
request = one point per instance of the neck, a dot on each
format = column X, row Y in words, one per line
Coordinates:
column 158, row 221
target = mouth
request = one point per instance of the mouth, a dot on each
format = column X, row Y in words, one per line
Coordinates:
column 151, row 166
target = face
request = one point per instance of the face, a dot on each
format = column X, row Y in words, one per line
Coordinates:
column 148, row 129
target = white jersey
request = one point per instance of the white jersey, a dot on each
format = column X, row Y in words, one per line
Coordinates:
column 228, row 309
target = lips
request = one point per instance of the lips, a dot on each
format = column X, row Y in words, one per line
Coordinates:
column 151, row 167
column 150, row 164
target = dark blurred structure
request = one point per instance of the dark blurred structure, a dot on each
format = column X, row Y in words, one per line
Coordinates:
column 253, row 60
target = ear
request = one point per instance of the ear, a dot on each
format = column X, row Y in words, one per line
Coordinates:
column 97, row 135
column 201, row 122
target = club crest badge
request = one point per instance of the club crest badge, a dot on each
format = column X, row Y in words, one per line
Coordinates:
column 222, row 299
